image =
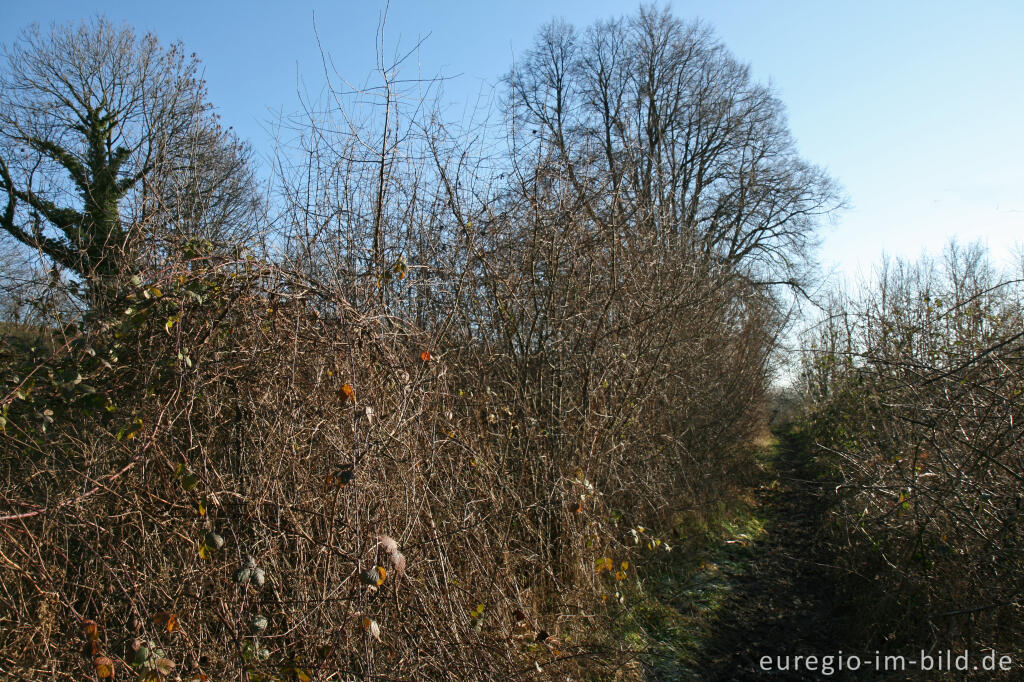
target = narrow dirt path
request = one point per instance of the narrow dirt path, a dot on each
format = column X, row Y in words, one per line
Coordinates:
column 784, row 603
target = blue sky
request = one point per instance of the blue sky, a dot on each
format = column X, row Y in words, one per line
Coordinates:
column 916, row 108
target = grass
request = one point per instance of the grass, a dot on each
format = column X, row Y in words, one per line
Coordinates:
column 667, row 612
column 22, row 338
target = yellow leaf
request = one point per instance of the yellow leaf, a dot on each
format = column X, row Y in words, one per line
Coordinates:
column 204, row 551
column 104, row 667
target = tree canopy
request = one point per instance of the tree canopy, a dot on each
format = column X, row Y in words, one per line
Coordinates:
column 106, row 137
column 659, row 128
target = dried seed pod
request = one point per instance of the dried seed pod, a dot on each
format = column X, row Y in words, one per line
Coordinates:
column 387, row 543
column 398, row 562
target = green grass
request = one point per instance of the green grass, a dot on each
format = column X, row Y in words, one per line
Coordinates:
column 668, row 610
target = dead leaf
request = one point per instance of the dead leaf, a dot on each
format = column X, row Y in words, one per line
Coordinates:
column 166, row 619
column 104, row 667
column 371, row 628
column 347, row 393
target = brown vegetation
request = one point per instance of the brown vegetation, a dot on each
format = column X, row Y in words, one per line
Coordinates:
column 916, row 388
column 456, row 402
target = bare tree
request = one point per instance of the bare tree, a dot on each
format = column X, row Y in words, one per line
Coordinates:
column 107, row 138
column 660, row 129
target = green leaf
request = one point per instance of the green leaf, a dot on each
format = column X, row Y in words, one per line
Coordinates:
column 129, row 431
column 142, row 654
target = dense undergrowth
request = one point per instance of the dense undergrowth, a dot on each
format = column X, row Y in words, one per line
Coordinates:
column 220, row 430
column 440, row 413
column 915, row 392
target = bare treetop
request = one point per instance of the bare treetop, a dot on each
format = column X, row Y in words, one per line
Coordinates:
column 653, row 120
column 92, row 115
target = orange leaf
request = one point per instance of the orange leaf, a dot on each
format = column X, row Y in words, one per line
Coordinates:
column 166, row 619
column 90, row 629
column 425, row 356
column 371, row 628
column 348, row 393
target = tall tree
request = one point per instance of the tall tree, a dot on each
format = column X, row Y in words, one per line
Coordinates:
column 106, row 138
column 658, row 128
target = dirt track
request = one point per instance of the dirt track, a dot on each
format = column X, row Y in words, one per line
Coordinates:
column 784, row 604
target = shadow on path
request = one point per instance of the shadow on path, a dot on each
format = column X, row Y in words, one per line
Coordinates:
column 784, row 604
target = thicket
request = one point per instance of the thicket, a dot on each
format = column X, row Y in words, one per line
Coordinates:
column 915, row 384
column 443, row 410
